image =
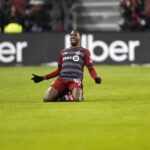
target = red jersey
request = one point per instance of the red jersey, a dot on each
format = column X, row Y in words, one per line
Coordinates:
column 71, row 62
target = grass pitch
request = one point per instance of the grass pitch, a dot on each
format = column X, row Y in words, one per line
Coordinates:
column 114, row 116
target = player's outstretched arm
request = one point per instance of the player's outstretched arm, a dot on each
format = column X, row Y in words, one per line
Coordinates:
column 93, row 74
column 53, row 74
column 37, row 78
column 98, row 80
column 89, row 64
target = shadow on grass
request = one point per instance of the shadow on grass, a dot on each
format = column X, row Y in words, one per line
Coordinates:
column 85, row 101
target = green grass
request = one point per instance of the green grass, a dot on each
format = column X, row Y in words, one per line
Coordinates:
column 114, row 116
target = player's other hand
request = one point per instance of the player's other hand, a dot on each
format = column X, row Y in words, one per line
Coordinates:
column 98, row 80
column 37, row 78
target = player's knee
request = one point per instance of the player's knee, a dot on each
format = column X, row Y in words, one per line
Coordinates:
column 48, row 99
column 50, row 96
column 77, row 96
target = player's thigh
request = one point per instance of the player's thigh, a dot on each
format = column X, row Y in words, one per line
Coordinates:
column 50, row 95
column 57, row 87
column 77, row 94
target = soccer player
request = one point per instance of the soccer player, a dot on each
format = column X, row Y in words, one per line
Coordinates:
column 70, row 72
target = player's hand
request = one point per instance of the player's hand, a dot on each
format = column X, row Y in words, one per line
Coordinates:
column 98, row 80
column 37, row 78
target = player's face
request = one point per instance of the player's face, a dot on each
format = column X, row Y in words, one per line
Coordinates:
column 74, row 38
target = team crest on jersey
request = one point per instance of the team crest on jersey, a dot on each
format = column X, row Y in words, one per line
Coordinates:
column 78, row 53
column 75, row 58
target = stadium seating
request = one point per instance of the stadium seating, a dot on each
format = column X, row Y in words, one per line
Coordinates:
column 96, row 15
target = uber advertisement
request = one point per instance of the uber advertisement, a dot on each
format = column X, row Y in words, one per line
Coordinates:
column 106, row 48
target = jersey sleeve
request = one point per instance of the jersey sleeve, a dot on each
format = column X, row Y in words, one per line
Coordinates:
column 57, row 71
column 60, row 59
column 89, row 64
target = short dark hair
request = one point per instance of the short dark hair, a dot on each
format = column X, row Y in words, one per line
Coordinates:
column 75, row 31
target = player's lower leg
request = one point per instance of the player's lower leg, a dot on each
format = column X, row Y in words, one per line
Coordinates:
column 77, row 94
column 50, row 95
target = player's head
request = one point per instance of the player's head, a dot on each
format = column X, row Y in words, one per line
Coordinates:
column 74, row 38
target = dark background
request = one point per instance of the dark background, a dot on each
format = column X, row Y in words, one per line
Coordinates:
column 45, row 47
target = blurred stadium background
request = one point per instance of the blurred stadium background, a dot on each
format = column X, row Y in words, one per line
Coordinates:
column 115, row 31
column 115, row 115
column 86, row 15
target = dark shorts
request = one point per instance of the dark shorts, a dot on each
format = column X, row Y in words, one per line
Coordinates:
column 62, row 85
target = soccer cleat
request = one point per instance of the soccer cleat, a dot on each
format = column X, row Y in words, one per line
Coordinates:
column 68, row 98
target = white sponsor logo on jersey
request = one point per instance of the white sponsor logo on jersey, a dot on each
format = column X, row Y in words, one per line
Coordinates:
column 75, row 58
column 67, row 58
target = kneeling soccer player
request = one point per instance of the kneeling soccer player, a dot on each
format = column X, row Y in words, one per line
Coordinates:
column 70, row 72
